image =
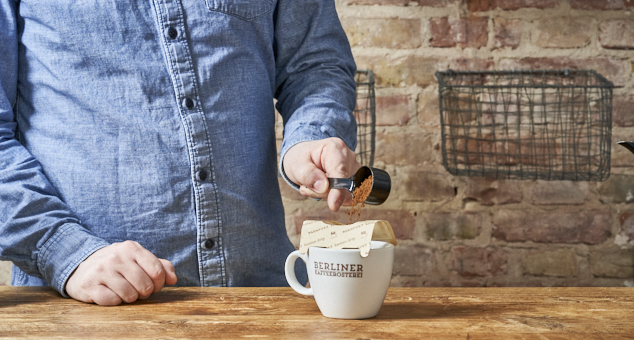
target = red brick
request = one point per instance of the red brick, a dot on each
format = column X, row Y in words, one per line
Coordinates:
column 464, row 32
column 436, row 3
column 620, row 158
column 393, row 71
column 480, row 5
column 523, row 283
column 430, row 3
column 387, row 33
column 589, row 227
column 423, row 186
column 443, row 33
column 377, row 2
column 490, row 191
column 622, row 110
column 472, row 261
column 393, row 110
column 559, row 263
column 477, row 32
column 446, row 226
column 509, row 5
column 626, row 221
column 428, row 109
column 398, row 148
column 508, row 33
column 402, row 221
column 612, row 262
column 412, row 261
column 559, row 192
column 598, row 4
column 471, row 64
column 617, row 34
column 615, row 70
column 562, row 32
column 618, row 188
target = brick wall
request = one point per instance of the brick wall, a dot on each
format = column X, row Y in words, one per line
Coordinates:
column 470, row 231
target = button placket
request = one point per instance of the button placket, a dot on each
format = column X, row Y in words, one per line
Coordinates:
column 178, row 54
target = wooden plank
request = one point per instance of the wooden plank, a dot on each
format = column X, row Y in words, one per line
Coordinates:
column 280, row 313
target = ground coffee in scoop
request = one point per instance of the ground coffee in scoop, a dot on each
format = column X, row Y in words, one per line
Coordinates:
column 359, row 195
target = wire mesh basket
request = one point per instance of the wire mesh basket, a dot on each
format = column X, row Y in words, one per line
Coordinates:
column 548, row 125
column 364, row 113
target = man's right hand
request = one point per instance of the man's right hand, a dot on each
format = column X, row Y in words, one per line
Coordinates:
column 120, row 272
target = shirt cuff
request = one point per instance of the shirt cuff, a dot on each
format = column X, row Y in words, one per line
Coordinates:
column 64, row 251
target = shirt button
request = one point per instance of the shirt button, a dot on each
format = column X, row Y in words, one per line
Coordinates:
column 189, row 103
column 172, row 32
column 202, row 175
column 209, row 243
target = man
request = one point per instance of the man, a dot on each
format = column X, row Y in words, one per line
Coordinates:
column 137, row 142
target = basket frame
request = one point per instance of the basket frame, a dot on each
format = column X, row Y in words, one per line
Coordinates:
column 591, row 97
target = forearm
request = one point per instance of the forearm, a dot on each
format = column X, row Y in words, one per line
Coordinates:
column 38, row 231
column 315, row 84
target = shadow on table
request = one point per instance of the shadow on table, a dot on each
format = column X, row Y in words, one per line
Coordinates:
column 402, row 311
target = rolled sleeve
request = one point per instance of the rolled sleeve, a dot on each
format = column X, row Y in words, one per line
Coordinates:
column 315, row 69
column 64, row 251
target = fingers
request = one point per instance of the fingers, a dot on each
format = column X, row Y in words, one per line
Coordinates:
column 121, row 272
column 310, row 164
column 337, row 160
column 336, row 199
column 152, row 269
column 103, row 296
column 314, row 182
column 170, row 272
column 302, row 167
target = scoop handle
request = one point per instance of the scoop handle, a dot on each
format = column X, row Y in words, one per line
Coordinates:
column 628, row 145
column 341, row 183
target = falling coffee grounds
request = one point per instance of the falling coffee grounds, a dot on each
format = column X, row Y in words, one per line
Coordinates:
column 359, row 195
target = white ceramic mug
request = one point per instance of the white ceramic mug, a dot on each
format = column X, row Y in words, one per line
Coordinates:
column 344, row 284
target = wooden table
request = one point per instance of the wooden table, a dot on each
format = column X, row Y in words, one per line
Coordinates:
column 280, row 313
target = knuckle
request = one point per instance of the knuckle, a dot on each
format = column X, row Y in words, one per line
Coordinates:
column 339, row 143
column 130, row 297
column 156, row 272
column 147, row 290
column 105, row 299
column 131, row 245
column 110, row 258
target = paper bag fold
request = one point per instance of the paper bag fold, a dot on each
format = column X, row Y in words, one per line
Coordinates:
column 330, row 234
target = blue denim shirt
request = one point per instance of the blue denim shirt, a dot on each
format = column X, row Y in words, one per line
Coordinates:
column 153, row 121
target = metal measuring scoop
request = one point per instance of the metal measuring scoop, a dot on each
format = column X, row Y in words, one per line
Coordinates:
column 627, row 145
column 381, row 184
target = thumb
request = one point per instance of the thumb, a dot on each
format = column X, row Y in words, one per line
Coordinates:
column 313, row 179
column 170, row 272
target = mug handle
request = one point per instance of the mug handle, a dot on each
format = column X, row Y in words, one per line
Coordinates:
column 289, row 270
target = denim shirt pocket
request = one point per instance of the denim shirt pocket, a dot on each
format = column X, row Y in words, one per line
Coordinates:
column 244, row 9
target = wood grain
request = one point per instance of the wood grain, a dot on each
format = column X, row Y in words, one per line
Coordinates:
column 280, row 313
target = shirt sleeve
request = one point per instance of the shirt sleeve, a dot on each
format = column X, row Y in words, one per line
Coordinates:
column 38, row 232
column 315, row 70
